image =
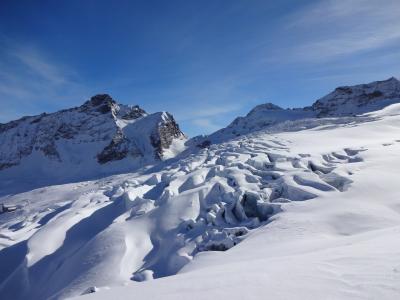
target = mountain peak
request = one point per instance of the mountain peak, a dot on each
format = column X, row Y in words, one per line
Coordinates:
column 379, row 84
column 343, row 101
column 102, row 103
column 358, row 99
column 264, row 107
column 392, row 79
column 101, row 99
column 99, row 136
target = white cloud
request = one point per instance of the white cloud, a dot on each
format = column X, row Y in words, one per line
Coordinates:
column 334, row 28
column 40, row 66
column 31, row 82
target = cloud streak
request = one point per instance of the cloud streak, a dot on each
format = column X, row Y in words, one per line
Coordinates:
column 40, row 66
column 336, row 28
column 31, row 83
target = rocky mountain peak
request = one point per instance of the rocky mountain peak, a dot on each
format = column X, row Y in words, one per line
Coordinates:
column 344, row 101
column 264, row 107
column 98, row 134
column 101, row 99
column 102, row 103
column 357, row 99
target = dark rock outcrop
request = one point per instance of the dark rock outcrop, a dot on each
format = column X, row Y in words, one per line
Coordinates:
column 165, row 133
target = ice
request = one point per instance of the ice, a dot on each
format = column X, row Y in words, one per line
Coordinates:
column 300, row 213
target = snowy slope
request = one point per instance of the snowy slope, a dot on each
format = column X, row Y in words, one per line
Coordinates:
column 339, row 245
column 307, row 207
column 328, row 196
column 357, row 99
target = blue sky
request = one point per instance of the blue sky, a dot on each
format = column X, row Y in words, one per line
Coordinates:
column 205, row 61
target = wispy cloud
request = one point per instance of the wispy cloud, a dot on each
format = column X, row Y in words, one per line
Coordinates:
column 40, row 66
column 31, row 82
column 335, row 28
column 210, row 118
column 216, row 110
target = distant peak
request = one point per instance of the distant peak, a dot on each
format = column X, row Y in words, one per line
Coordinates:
column 270, row 106
column 101, row 99
column 380, row 83
column 265, row 106
column 102, row 103
column 392, row 79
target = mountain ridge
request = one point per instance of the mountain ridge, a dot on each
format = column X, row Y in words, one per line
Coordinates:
column 344, row 101
column 100, row 133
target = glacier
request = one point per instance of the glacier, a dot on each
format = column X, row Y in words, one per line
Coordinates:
column 283, row 203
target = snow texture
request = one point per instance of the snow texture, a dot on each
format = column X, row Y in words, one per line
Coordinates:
column 304, row 208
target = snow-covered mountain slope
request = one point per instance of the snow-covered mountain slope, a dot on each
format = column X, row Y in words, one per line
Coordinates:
column 100, row 137
column 344, row 101
column 357, row 99
column 312, row 209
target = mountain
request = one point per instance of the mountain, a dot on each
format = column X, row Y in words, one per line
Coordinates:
column 299, row 206
column 344, row 101
column 99, row 137
column 358, row 99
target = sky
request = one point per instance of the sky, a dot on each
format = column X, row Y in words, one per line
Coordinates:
column 206, row 62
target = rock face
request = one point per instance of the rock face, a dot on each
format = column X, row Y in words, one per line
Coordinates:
column 101, row 130
column 165, row 133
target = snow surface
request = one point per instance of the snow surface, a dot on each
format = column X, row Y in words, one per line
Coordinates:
column 312, row 211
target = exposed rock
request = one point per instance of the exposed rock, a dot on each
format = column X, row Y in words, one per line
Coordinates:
column 346, row 101
column 118, row 149
column 6, row 165
column 204, row 144
column 165, row 133
column 100, row 128
column 353, row 100
column 134, row 113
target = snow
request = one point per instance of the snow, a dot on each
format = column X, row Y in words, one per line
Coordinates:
column 177, row 146
column 304, row 208
column 338, row 107
column 335, row 246
column 64, row 146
